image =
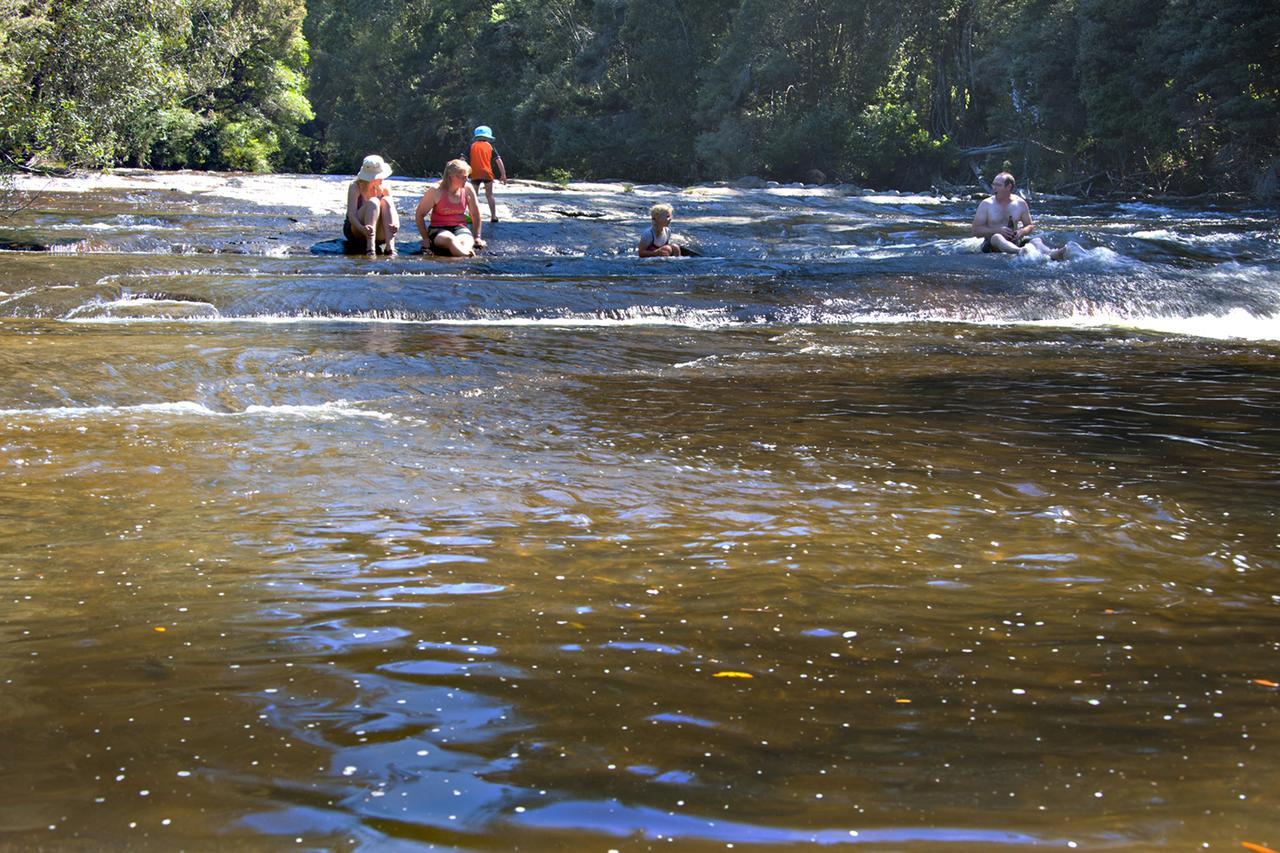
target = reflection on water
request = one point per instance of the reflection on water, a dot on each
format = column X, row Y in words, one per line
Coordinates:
column 815, row 544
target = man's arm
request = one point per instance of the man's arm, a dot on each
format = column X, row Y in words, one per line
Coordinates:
column 1024, row 219
column 982, row 226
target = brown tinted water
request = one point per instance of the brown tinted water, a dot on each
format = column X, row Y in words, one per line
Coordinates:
column 623, row 555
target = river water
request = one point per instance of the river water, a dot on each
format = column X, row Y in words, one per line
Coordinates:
column 841, row 534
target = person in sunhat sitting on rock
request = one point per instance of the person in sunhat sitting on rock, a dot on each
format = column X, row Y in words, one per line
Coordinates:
column 483, row 158
column 372, row 220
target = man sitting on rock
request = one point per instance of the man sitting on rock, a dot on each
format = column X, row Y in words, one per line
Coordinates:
column 1003, row 221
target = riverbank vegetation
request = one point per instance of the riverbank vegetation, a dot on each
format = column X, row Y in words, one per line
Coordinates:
column 1172, row 96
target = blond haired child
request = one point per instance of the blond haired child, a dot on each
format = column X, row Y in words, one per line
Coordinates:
column 656, row 241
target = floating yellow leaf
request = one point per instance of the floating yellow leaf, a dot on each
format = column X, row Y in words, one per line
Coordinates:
column 1265, row 683
column 160, row 629
column 1256, row 848
column 729, row 673
column 903, row 701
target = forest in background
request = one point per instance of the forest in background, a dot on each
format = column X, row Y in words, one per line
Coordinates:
column 1168, row 96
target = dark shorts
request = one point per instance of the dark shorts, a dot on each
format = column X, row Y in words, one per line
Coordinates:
column 987, row 247
column 475, row 182
column 452, row 229
column 354, row 244
column 357, row 244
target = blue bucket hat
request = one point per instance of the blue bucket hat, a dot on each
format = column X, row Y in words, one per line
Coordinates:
column 483, row 132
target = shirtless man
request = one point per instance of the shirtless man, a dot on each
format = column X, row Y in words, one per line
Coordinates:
column 1004, row 222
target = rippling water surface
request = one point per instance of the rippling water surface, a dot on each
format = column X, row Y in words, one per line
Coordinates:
column 840, row 534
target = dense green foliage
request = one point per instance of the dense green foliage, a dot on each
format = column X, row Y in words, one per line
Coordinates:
column 1177, row 95
column 212, row 83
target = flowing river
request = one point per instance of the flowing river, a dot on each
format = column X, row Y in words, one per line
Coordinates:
column 841, row 534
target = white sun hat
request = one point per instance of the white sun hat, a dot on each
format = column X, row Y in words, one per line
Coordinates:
column 373, row 168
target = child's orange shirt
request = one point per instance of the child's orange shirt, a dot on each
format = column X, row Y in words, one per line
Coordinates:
column 481, row 160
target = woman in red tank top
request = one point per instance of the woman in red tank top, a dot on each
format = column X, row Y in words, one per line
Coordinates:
column 446, row 202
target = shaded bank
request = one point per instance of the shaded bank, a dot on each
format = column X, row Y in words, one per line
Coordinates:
column 1170, row 96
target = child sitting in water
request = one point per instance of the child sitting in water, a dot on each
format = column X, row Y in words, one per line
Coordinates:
column 655, row 242
column 372, row 219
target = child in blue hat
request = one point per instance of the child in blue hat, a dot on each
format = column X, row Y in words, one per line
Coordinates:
column 483, row 157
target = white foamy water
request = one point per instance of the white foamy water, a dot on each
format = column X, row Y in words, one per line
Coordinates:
column 901, row 199
column 812, row 239
column 141, row 308
column 1236, row 324
column 120, row 223
column 335, row 410
column 635, row 316
column 1078, row 258
column 1191, row 239
column 319, row 194
column 1138, row 208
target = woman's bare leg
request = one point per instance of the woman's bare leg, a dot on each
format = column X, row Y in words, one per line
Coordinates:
column 368, row 216
column 387, row 226
column 458, row 245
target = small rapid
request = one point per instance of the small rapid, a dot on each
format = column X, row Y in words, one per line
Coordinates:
column 218, row 249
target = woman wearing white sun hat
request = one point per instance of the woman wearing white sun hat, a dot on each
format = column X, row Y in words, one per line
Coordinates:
column 372, row 219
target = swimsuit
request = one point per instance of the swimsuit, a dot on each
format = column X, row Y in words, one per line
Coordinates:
column 448, row 211
column 651, row 240
column 987, row 247
column 437, row 229
column 446, row 216
column 348, row 233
